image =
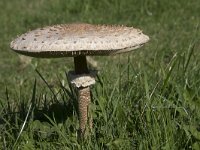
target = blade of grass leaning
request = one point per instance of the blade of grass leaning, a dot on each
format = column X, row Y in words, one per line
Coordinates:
column 43, row 79
column 27, row 115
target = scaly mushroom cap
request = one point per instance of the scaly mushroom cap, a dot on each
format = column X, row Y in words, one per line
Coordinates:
column 78, row 39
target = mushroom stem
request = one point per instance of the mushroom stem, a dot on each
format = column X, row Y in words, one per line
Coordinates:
column 84, row 97
column 80, row 64
column 83, row 104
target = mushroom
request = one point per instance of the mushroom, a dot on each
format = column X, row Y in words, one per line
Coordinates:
column 78, row 41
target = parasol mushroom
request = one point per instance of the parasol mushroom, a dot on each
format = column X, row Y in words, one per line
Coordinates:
column 79, row 41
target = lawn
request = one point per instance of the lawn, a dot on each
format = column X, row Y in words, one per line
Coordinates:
column 145, row 99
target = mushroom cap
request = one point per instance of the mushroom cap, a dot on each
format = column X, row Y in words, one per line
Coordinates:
column 70, row 40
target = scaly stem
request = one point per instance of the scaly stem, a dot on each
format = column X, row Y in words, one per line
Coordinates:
column 84, row 97
column 83, row 104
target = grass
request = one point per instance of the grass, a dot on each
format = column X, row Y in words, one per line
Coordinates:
column 147, row 99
